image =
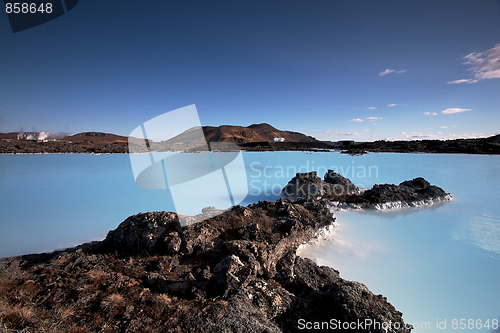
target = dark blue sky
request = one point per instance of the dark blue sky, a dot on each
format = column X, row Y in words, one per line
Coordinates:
column 326, row 68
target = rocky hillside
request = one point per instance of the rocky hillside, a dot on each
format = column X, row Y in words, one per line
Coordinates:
column 242, row 135
column 96, row 137
column 8, row 136
column 236, row 272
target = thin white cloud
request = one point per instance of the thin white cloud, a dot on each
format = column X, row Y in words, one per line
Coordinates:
column 454, row 110
column 391, row 105
column 421, row 136
column 356, row 120
column 389, row 71
column 472, row 135
column 439, row 136
column 335, row 133
column 373, row 118
column 484, row 65
column 429, row 114
column 462, row 81
column 443, row 126
column 372, row 108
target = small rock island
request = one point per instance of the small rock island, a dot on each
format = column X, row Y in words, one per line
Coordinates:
column 343, row 194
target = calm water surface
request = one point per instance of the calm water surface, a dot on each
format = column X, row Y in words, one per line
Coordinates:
column 434, row 264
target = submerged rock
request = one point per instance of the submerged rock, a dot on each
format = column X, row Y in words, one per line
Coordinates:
column 235, row 272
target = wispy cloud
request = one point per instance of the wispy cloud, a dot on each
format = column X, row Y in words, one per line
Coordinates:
column 373, row 118
column 471, row 135
column 391, row 105
column 372, row 108
column 443, row 126
column 356, row 120
column 389, row 71
column 418, row 136
column 429, row 114
column 325, row 134
column 462, row 81
column 454, row 110
column 422, row 136
column 484, row 65
column 438, row 136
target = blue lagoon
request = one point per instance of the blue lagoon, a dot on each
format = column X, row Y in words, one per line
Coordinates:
column 436, row 263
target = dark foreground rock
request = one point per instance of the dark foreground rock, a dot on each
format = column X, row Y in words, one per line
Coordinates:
column 344, row 194
column 236, row 272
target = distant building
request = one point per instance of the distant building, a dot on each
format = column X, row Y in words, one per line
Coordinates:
column 276, row 139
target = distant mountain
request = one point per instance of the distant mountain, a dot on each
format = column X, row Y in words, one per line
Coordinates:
column 98, row 137
column 225, row 133
column 493, row 139
column 8, row 136
column 241, row 135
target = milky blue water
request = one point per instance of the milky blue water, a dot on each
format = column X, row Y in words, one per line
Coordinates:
column 434, row 264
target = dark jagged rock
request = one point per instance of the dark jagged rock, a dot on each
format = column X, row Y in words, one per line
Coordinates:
column 310, row 186
column 235, row 272
column 415, row 192
column 340, row 182
column 344, row 194
column 354, row 152
column 305, row 185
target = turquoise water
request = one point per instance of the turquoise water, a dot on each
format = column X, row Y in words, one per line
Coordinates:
column 434, row 264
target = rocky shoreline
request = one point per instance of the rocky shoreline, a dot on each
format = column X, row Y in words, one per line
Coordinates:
column 61, row 147
column 490, row 145
column 234, row 272
column 90, row 147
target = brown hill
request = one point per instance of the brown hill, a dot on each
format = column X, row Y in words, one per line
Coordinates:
column 241, row 135
column 8, row 136
column 98, row 137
